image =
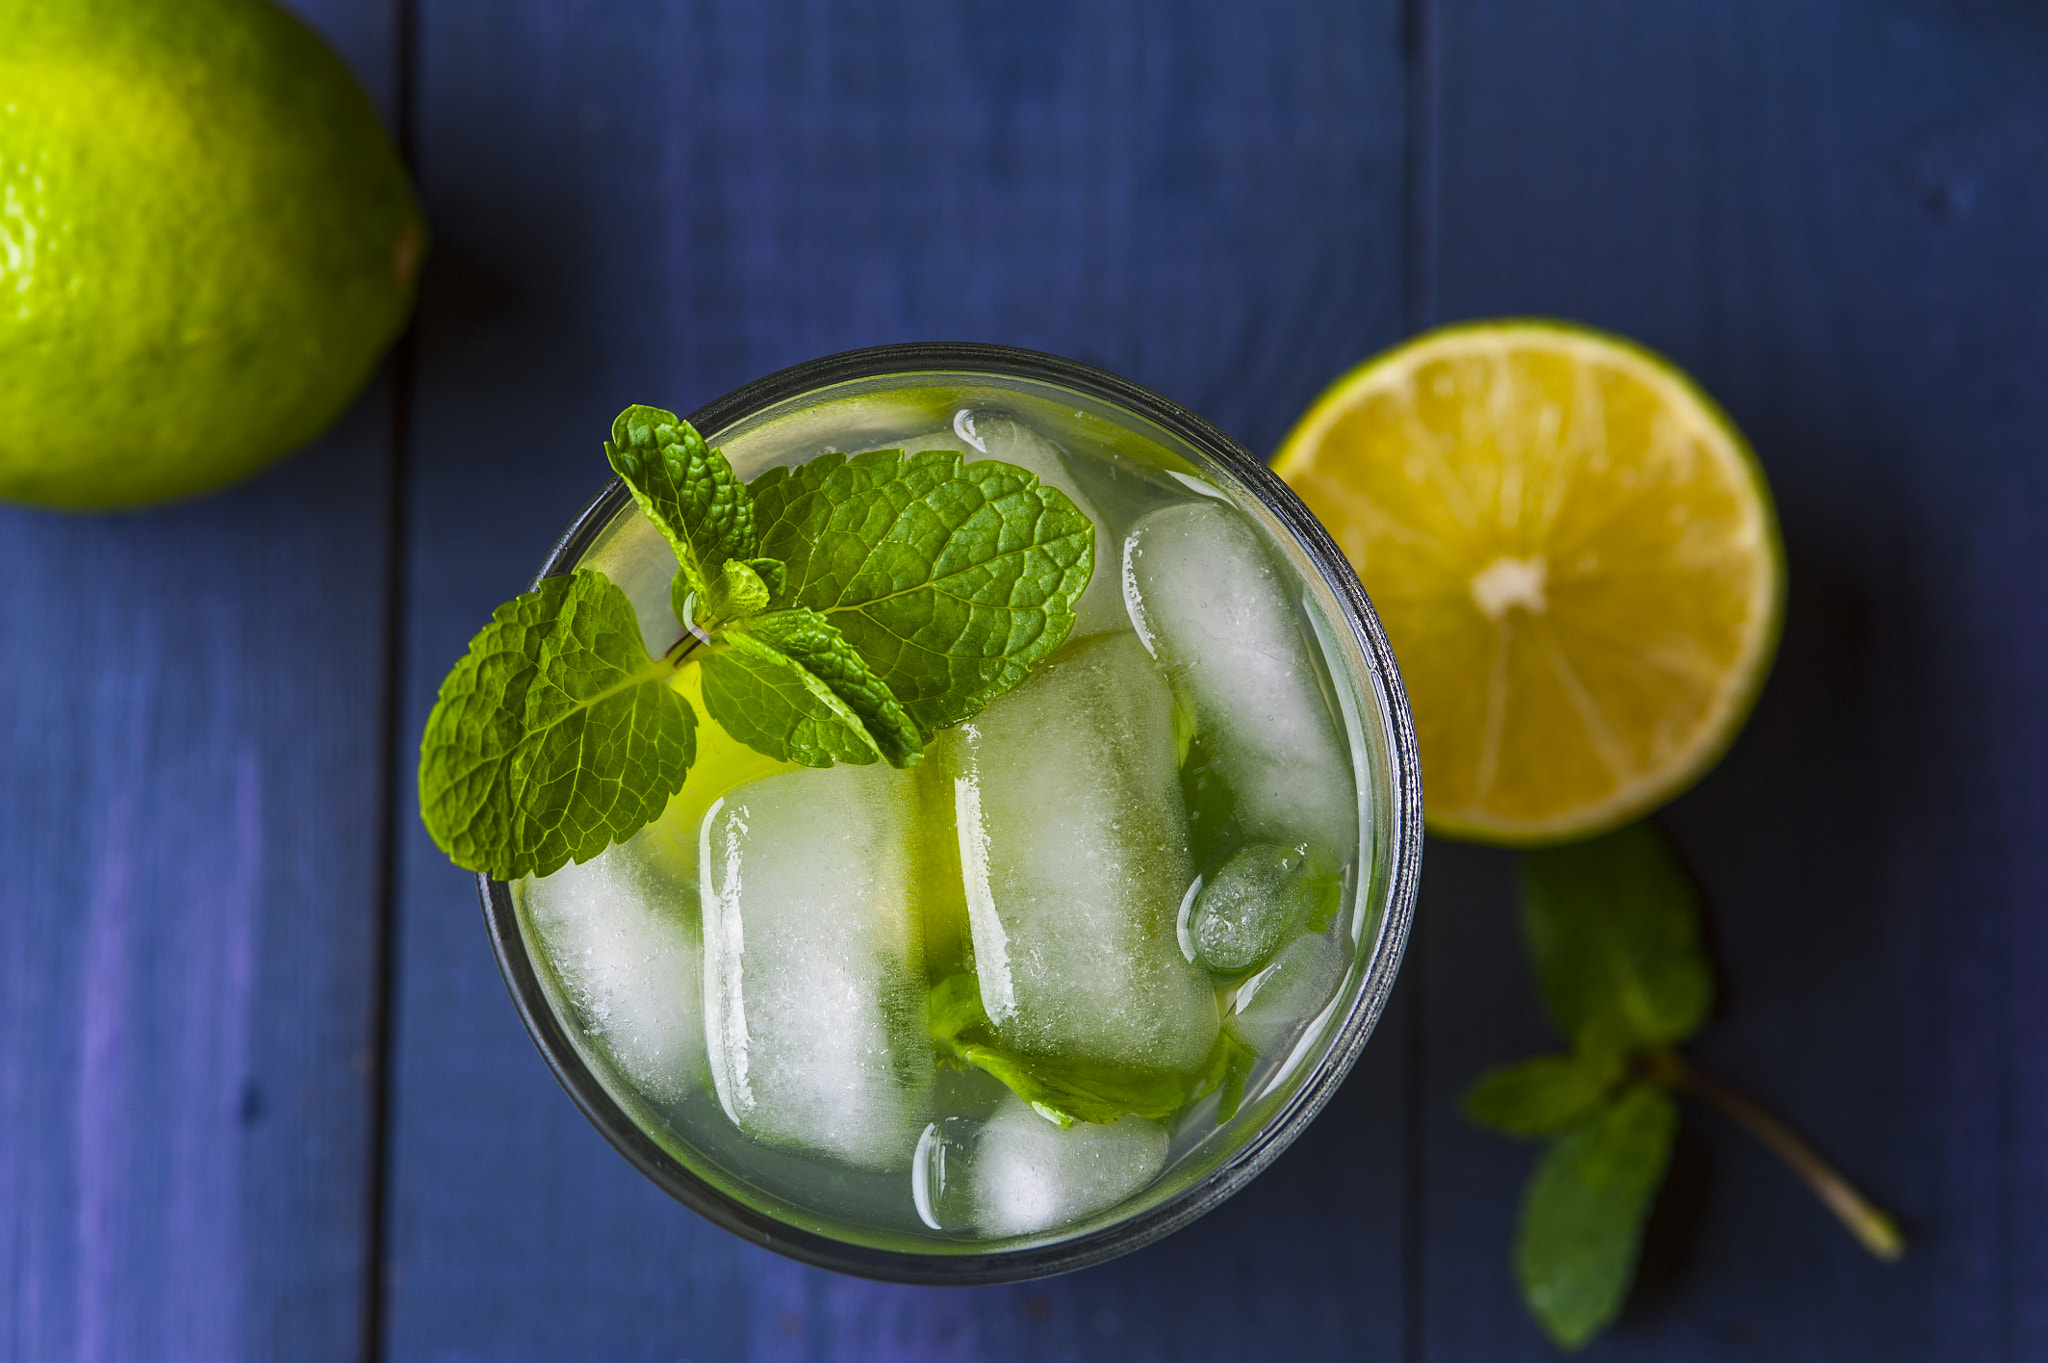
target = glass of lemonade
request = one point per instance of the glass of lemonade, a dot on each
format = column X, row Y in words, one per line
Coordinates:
column 1178, row 861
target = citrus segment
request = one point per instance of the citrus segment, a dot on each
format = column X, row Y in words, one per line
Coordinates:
column 1575, row 557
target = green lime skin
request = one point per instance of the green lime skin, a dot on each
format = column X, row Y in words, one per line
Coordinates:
column 206, row 244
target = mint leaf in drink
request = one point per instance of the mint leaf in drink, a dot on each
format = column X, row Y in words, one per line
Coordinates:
column 952, row 580
column 1230, row 1061
column 1543, row 1095
column 688, row 491
column 1613, row 926
column 775, row 705
column 808, row 639
column 1066, row 1090
column 1582, row 1219
column 786, row 684
column 555, row 736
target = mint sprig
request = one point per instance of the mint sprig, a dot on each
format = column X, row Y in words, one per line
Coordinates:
column 842, row 611
column 1613, row 928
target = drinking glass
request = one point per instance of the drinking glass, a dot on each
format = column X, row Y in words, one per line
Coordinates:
column 869, row 398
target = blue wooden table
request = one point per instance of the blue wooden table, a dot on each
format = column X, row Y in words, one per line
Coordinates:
column 261, row 1092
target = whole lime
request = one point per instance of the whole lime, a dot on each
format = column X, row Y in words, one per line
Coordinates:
column 206, row 242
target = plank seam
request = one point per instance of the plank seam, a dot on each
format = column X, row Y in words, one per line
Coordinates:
column 376, row 1235
column 1418, row 290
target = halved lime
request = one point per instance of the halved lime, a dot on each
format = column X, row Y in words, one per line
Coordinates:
column 1576, row 558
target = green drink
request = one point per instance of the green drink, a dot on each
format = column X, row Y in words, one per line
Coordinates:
column 1076, row 971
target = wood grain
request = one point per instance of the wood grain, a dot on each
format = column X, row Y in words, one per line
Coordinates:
column 191, row 721
column 647, row 203
column 1832, row 214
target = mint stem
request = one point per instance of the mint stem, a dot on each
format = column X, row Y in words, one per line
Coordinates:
column 694, row 636
column 1877, row 1232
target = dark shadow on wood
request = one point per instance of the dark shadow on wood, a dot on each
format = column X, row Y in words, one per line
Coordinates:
column 1673, row 1232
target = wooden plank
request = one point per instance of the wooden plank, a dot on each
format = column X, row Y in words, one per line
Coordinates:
column 190, row 723
column 1832, row 214
column 641, row 202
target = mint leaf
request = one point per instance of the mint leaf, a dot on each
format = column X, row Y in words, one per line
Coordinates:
column 773, row 574
column 950, row 579
column 809, row 640
column 555, row 736
column 1545, row 1095
column 775, row 705
column 1068, row 1090
column 1613, row 925
column 737, row 592
column 1231, row 1061
column 686, row 489
column 742, row 587
column 1583, row 1215
column 1213, row 827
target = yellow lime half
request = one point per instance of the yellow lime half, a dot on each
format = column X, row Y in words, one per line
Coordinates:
column 1575, row 556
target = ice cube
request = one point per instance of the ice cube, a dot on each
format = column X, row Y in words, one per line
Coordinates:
column 938, row 1173
column 623, row 941
column 1272, row 1005
column 994, row 435
column 1254, row 902
column 1219, row 616
column 814, row 980
column 1017, row 1173
column 1074, row 850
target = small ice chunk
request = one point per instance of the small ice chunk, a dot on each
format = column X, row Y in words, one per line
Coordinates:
column 814, row 979
column 1273, row 1005
column 622, row 939
column 938, row 1186
column 1074, row 849
column 1219, row 617
column 1254, row 902
column 1017, row 1173
column 993, row 435
column 938, row 1173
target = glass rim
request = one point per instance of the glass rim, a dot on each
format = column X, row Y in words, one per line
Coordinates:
column 1235, row 1170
